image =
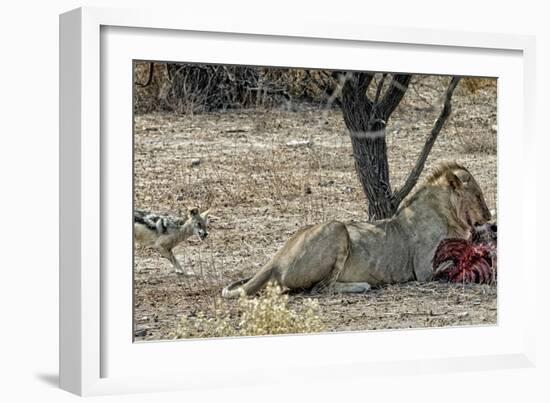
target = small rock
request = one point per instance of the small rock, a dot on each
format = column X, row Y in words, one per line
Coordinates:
column 326, row 183
column 307, row 189
column 299, row 143
column 140, row 333
column 347, row 189
column 195, row 162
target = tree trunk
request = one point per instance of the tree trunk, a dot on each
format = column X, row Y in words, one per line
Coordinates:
column 366, row 121
column 371, row 164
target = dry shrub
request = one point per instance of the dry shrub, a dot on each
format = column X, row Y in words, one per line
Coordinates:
column 302, row 85
column 267, row 314
column 147, row 98
column 197, row 88
column 478, row 143
column 475, row 84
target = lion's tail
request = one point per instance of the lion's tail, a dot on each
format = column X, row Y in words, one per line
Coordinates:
column 249, row 286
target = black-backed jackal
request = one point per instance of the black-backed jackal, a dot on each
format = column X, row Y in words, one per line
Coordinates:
column 163, row 232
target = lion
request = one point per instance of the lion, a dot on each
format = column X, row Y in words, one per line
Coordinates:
column 354, row 257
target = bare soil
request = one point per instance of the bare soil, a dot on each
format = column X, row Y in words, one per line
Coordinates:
column 266, row 173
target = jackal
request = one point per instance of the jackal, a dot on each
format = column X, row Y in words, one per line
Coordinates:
column 163, row 232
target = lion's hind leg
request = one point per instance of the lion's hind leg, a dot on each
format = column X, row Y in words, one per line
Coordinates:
column 350, row 288
column 340, row 248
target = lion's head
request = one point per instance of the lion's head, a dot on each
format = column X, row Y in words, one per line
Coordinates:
column 466, row 204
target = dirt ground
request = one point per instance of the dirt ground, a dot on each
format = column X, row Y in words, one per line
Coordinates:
column 266, row 173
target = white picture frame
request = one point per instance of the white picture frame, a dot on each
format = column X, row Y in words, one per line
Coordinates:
column 97, row 355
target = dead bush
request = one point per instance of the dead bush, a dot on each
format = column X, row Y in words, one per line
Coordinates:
column 475, row 84
column 196, row 88
column 267, row 314
column 478, row 144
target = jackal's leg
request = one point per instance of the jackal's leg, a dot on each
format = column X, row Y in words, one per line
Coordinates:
column 355, row 288
column 170, row 256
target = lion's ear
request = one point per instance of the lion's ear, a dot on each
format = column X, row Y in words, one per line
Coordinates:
column 454, row 181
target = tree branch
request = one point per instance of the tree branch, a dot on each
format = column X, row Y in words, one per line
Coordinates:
column 395, row 92
column 379, row 88
column 420, row 162
column 363, row 82
column 356, row 105
column 356, row 85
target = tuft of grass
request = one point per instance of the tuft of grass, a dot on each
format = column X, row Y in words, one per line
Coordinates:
column 267, row 314
column 478, row 142
column 475, row 84
column 479, row 145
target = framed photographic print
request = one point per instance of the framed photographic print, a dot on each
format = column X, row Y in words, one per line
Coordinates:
column 232, row 190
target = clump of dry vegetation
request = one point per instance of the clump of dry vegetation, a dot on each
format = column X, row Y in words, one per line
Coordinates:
column 197, row 88
column 475, row 84
column 267, row 314
column 475, row 144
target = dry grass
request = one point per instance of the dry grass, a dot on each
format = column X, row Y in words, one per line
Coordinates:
column 267, row 314
column 263, row 186
column 472, row 144
column 474, row 85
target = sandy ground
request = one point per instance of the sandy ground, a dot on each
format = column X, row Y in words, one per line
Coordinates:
column 266, row 173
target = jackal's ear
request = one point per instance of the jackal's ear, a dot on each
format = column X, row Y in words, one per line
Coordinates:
column 454, row 181
column 204, row 215
column 193, row 211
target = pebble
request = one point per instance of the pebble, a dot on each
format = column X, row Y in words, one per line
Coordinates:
column 299, row 143
column 140, row 333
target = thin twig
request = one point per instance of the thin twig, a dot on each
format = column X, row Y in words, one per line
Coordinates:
column 421, row 161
